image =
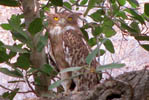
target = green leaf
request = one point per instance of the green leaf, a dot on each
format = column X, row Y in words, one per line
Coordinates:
column 57, row 2
column 115, row 9
column 68, row 5
column 122, row 2
column 3, row 55
column 91, row 56
column 109, row 46
column 6, row 26
column 85, row 33
column 18, row 36
column 23, row 61
column 91, row 4
column 126, row 27
column 83, row 2
column 133, row 3
column 35, row 26
column 109, row 66
column 142, row 38
column 108, row 22
column 14, row 73
column 15, row 22
column 121, row 14
column 15, row 48
column 72, row 1
column 102, row 52
column 11, row 3
column 135, row 26
column 42, row 42
column 12, row 54
column 108, row 31
column 146, row 9
column 55, row 84
column 92, row 41
column 10, row 95
column 48, row 70
column 96, row 16
column 145, row 46
column 135, row 15
column 70, row 69
column 112, row 1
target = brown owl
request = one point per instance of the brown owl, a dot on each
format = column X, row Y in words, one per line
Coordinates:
column 70, row 49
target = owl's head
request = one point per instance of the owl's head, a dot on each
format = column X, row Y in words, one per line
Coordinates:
column 63, row 18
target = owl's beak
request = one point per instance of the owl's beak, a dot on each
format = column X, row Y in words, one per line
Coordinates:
column 62, row 21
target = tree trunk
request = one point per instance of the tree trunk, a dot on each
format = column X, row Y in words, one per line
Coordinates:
column 38, row 59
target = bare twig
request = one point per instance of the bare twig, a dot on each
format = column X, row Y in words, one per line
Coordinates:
column 28, row 83
column 13, row 90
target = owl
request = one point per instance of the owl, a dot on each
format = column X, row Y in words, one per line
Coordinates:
column 70, row 49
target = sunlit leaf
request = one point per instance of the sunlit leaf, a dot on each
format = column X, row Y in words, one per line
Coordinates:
column 109, row 66
column 55, row 84
column 70, row 69
column 91, row 56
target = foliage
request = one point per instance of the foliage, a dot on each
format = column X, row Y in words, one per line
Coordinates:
column 106, row 15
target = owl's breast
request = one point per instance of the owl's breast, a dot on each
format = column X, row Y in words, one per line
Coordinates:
column 56, row 30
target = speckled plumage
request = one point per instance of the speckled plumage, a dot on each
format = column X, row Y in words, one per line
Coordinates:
column 70, row 49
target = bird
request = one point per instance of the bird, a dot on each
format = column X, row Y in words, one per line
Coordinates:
column 70, row 49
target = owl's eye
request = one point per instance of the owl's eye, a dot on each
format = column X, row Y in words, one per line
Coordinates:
column 56, row 18
column 70, row 18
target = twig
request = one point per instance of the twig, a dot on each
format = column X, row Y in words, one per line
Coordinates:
column 13, row 90
column 28, row 83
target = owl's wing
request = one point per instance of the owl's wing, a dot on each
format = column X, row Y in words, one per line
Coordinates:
column 75, row 47
column 50, row 56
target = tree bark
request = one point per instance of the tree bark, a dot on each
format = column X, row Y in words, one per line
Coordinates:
column 128, row 86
